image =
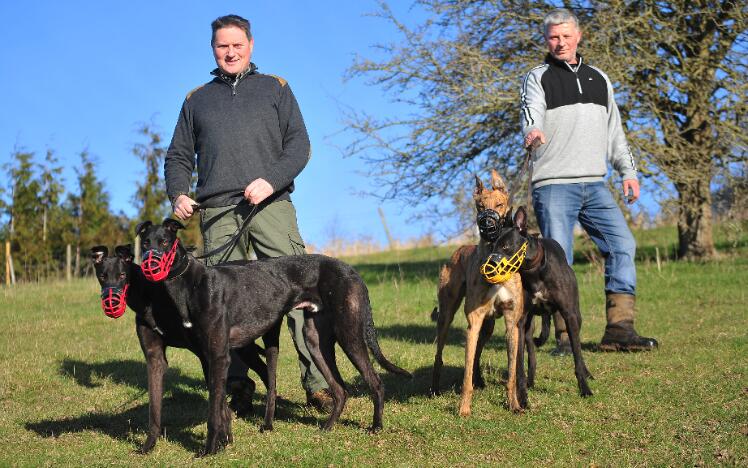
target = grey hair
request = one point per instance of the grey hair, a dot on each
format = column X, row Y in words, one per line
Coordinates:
column 559, row 16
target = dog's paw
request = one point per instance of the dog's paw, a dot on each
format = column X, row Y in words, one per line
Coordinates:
column 266, row 428
column 374, row 429
column 148, row 445
column 215, row 444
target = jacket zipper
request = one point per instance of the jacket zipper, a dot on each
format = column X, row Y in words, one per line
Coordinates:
column 576, row 75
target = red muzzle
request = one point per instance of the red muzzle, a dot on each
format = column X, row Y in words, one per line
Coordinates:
column 156, row 267
column 114, row 301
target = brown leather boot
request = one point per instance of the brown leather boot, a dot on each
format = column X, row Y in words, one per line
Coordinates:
column 240, row 391
column 619, row 332
column 321, row 399
column 563, row 345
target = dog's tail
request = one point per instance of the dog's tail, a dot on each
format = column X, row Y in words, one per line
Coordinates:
column 370, row 334
column 545, row 331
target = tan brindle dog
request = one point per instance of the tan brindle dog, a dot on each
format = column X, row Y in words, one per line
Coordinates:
column 461, row 278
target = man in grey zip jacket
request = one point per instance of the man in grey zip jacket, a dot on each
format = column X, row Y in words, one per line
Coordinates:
column 251, row 142
column 568, row 106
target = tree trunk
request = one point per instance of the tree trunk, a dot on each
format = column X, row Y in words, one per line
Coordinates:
column 695, row 240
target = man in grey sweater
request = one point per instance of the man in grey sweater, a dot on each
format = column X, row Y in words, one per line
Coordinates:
column 569, row 107
column 251, row 142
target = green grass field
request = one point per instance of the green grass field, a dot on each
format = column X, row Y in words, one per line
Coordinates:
column 73, row 382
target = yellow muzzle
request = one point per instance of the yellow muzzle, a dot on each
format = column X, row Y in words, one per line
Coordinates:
column 497, row 269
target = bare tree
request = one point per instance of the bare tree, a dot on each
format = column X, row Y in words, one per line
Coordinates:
column 678, row 68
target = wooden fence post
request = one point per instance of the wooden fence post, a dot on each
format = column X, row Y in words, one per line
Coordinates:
column 10, row 274
column 7, row 263
column 386, row 229
column 136, row 250
column 68, row 262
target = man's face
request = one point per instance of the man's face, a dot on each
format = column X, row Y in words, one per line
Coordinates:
column 562, row 40
column 232, row 50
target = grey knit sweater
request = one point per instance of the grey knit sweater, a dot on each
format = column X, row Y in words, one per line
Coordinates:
column 575, row 109
column 241, row 129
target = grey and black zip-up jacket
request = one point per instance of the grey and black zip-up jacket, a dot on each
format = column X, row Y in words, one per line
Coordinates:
column 241, row 128
column 573, row 105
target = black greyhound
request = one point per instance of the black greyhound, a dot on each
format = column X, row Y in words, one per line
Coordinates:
column 550, row 286
column 158, row 324
column 232, row 305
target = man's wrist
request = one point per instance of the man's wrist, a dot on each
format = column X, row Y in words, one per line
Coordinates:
column 174, row 198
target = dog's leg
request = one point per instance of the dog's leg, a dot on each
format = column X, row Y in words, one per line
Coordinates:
column 217, row 351
column 154, row 351
column 530, row 344
column 354, row 346
column 580, row 368
column 475, row 318
column 320, row 343
column 486, row 331
column 512, row 317
column 250, row 354
column 450, row 294
column 521, row 378
column 271, row 340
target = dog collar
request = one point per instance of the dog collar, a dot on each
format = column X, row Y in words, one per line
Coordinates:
column 186, row 267
column 498, row 268
column 536, row 261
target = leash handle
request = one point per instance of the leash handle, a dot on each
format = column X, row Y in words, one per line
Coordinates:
column 231, row 243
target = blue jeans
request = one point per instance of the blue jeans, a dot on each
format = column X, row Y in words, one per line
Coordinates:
column 559, row 206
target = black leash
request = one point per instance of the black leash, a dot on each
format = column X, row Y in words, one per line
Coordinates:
column 524, row 170
column 233, row 241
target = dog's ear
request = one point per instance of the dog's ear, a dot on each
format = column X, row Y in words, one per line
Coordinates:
column 124, row 252
column 478, row 185
column 172, row 225
column 142, row 227
column 508, row 216
column 497, row 182
column 520, row 220
column 99, row 253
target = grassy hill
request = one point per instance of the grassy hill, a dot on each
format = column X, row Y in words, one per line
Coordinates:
column 73, row 382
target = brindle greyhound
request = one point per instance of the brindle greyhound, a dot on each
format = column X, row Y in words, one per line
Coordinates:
column 158, row 324
column 232, row 305
column 461, row 278
column 551, row 286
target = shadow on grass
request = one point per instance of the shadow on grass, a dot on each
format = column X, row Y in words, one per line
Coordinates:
column 184, row 406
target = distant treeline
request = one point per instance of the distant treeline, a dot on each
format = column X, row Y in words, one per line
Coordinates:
column 42, row 220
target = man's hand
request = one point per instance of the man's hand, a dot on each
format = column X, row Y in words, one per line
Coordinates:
column 184, row 207
column 532, row 136
column 631, row 190
column 257, row 191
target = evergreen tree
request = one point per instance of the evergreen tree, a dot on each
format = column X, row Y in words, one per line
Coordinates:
column 24, row 216
column 150, row 197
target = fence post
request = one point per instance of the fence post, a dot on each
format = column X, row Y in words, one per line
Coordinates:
column 136, row 251
column 68, row 262
column 10, row 274
column 386, row 229
column 7, row 263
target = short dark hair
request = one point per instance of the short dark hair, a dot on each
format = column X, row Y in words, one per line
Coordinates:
column 228, row 21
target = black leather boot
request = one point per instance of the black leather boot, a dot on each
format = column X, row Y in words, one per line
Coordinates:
column 619, row 332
